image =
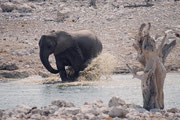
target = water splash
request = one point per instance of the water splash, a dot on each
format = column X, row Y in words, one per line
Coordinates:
column 100, row 68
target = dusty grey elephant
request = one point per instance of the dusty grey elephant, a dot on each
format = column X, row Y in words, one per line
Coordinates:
column 73, row 49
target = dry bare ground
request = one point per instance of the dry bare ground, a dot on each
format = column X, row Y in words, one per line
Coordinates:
column 22, row 22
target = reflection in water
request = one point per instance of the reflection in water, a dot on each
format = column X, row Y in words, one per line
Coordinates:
column 120, row 85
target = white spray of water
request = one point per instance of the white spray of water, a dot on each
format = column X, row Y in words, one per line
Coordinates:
column 100, row 68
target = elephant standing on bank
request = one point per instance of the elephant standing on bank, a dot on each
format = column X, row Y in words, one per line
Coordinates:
column 75, row 50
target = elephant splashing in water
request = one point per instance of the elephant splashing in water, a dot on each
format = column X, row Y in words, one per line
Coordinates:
column 73, row 49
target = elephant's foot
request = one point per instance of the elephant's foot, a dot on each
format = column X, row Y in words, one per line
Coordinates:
column 65, row 81
column 69, row 79
column 73, row 78
column 53, row 82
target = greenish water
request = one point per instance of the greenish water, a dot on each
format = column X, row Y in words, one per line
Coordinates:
column 124, row 86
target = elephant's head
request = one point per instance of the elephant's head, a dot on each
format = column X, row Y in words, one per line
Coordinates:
column 54, row 43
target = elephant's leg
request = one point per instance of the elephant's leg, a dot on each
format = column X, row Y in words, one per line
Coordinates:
column 62, row 72
column 76, row 69
column 75, row 76
column 76, row 64
column 63, row 75
column 83, row 66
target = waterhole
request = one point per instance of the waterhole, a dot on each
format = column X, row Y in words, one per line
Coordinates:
column 96, row 82
column 13, row 93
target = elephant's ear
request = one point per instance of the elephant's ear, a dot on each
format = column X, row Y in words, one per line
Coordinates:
column 64, row 41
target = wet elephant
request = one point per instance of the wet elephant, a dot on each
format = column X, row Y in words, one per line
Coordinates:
column 73, row 49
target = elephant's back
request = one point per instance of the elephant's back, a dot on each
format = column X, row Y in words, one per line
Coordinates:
column 88, row 42
column 83, row 33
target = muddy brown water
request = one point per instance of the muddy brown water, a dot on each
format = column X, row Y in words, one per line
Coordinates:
column 12, row 93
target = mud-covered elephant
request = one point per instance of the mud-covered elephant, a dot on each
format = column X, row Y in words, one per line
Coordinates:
column 73, row 49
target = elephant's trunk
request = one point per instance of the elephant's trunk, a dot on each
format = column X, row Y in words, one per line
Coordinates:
column 45, row 61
